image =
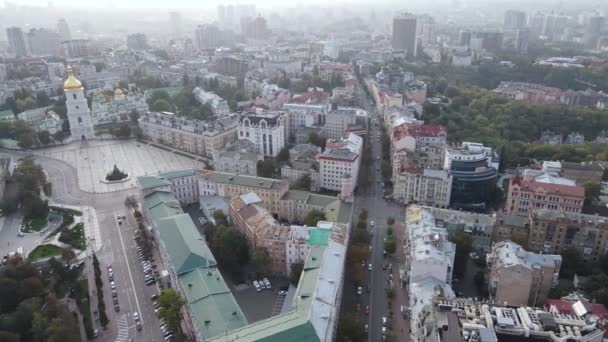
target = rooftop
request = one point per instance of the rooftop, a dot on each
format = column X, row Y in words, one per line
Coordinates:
column 508, row 254
column 245, row 181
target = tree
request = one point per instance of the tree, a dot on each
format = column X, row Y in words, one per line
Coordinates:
column 572, row 263
column 360, row 236
column 283, row 156
column 233, row 250
column 134, row 116
column 363, row 215
column 170, row 303
column 296, row 269
column 350, row 329
column 161, row 105
column 390, row 221
column 123, row 131
column 593, row 191
column 44, row 137
column 464, row 245
column 42, row 99
column 390, row 246
column 266, row 168
column 313, row 217
column 220, row 218
column 303, row 183
column 317, row 140
column 33, row 206
column 131, row 201
column 262, row 262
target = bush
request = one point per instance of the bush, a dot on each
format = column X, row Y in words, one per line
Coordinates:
column 116, row 175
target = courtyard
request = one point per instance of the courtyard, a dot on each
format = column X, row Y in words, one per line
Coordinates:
column 94, row 159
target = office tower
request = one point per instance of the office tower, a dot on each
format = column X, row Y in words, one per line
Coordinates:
column 16, row 41
column 137, row 41
column 176, row 24
column 426, row 29
column 260, row 29
column 75, row 48
column 536, row 24
column 221, row 14
column 521, row 39
column 464, row 38
column 207, row 37
column 404, row 33
column 593, row 31
column 43, row 42
column 63, row 29
column 514, row 20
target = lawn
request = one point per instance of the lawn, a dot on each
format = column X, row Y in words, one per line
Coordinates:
column 66, row 211
column 73, row 237
column 36, row 224
column 44, row 251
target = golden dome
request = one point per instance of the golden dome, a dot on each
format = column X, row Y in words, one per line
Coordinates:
column 118, row 92
column 71, row 83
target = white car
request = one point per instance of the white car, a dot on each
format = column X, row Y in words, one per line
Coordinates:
column 369, row 267
column 112, row 285
column 136, row 316
column 267, row 283
column 371, row 223
column 359, row 290
column 257, row 286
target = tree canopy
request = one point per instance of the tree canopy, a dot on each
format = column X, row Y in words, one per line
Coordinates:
column 313, row 217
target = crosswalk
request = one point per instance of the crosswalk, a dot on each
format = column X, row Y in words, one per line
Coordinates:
column 105, row 256
column 123, row 328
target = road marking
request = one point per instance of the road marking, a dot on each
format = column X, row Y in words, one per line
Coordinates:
column 123, row 328
column 124, row 251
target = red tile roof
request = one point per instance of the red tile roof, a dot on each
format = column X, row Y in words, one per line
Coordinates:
column 417, row 131
column 565, row 307
column 548, row 188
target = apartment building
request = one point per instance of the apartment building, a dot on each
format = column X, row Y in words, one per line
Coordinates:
column 219, row 106
column 553, row 231
column 429, row 263
column 518, row 277
column 339, row 121
column 451, row 319
column 299, row 169
column 239, row 158
column 535, row 189
column 266, row 130
column 414, row 184
column 480, row 227
column 261, row 229
column 205, row 138
column 341, row 159
column 428, row 142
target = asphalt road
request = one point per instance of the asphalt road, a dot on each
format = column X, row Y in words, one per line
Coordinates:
column 378, row 211
column 118, row 249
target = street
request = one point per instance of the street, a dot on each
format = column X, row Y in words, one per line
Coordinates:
column 117, row 248
column 379, row 210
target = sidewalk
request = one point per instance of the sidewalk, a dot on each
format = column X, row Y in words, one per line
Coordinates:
column 401, row 325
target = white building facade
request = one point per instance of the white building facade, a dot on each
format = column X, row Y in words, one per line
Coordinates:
column 267, row 131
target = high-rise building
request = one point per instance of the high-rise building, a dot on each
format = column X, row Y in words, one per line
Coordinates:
column 16, row 41
column 207, row 36
column 464, row 38
column 426, row 30
column 64, row 29
column 75, row 48
column 522, row 38
column 176, row 24
column 536, row 24
column 593, row 31
column 137, row 41
column 43, row 42
column 404, row 33
column 514, row 20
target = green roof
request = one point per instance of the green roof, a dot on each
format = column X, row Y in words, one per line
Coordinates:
column 321, row 200
column 290, row 326
column 213, row 306
column 176, row 174
column 318, row 237
column 184, row 244
column 297, row 195
column 247, row 181
column 149, row 182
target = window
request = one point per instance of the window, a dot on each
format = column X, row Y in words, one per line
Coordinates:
column 79, row 119
column 74, row 96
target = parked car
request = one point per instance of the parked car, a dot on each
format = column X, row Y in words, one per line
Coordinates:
column 257, row 286
column 116, row 307
column 136, row 316
column 359, row 290
column 113, row 285
column 267, row 283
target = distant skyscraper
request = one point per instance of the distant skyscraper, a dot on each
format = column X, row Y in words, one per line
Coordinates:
column 405, row 33
column 514, row 20
column 593, row 31
column 464, row 38
column 521, row 39
column 207, row 37
column 536, row 24
column 260, row 29
column 137, row 41
column 426, row 29
column 176, row 24
column 16, row 41
column 44, row 42
column 63, row 29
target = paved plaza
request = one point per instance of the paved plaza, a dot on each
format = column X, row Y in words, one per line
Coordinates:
column 94, row 159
